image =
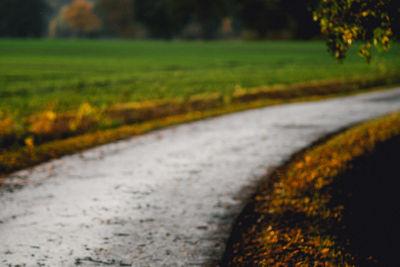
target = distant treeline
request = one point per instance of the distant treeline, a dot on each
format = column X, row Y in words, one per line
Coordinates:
column 164, row 19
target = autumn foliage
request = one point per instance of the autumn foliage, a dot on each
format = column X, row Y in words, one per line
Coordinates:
column 345, row 21
column 304, row 214
column 80, row 17
column 119, row 15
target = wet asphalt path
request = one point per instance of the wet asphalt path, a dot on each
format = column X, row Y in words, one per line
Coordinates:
column 167, row 198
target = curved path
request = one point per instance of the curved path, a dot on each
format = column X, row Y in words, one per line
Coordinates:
column 167, row 198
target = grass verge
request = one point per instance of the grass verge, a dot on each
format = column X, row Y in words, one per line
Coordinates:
column 333, row 204
column 50, row 135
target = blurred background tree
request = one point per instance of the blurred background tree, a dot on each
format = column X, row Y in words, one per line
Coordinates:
column 300, row 18
column 21, row 18
column 278, row 19
column 162, row 18
column 81, row 18
column 208, row 14
column 262, row 16
column 394, row 14
column 205, row 19
column 58, row 26
column 119, row 18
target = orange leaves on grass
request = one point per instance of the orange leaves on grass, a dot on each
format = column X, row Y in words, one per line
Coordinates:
column 298, row 208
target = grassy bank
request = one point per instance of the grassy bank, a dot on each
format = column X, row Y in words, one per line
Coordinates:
column 57, row 92
column 334, row 204
column 51, row 135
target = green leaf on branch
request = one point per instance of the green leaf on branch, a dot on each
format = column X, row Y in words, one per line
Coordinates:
column 345, row 21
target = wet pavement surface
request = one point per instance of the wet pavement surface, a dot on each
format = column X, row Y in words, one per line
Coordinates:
column 167, row 198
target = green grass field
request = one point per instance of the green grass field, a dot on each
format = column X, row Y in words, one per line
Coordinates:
column 61, row 75
column 60, row 97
